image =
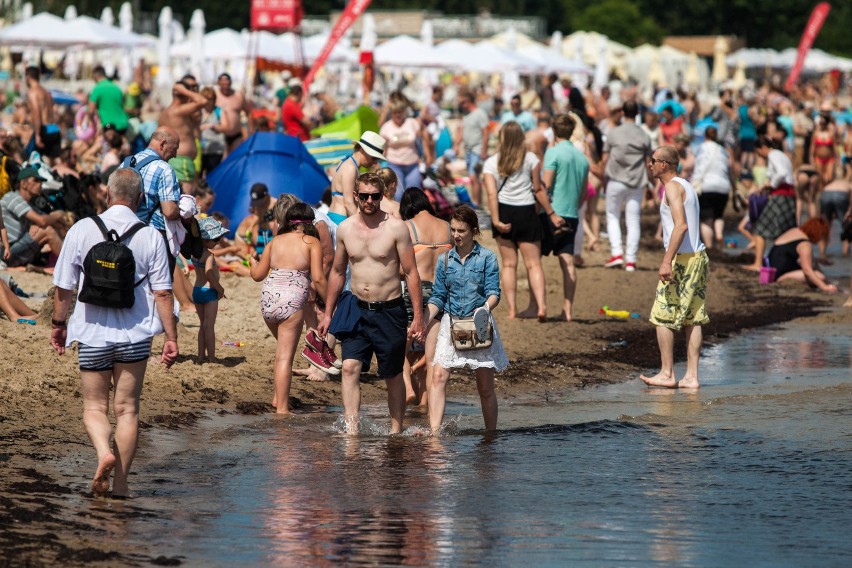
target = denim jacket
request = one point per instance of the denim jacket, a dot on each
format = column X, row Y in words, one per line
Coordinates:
column 470, row 283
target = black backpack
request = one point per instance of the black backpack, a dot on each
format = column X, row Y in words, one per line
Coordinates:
column 110, row 270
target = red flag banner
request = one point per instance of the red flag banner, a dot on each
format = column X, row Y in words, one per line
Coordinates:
column 276, row 15
column 815, row 23
column 353, row 10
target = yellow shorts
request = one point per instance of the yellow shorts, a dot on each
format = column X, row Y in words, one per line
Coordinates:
column 680, row 301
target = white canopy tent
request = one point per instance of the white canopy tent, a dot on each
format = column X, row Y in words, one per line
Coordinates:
column 406, row 51
column 44, row 30
column 454, row 53
column 817, row 61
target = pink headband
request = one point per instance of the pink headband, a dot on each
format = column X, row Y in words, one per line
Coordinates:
column 301, row 221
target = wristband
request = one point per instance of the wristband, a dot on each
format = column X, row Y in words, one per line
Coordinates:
column 58, row 323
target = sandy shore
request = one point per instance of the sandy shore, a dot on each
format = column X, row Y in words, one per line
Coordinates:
column 40, row 420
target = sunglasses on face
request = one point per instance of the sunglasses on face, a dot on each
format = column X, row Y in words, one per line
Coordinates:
column 369, row 196
column 658, row 161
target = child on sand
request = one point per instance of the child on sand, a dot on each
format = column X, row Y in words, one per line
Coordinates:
column 207, row 290
column 289, row 263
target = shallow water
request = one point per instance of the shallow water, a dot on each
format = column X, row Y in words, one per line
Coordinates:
column 755, row 468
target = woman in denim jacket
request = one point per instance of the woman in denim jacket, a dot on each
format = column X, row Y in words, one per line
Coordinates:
column 467, row 279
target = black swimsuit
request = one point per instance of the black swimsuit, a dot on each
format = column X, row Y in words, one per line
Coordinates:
column 785, row 258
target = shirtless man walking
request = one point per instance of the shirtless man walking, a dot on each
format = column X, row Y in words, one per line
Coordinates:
column 183, row 115
column 232, row 103
column 47, row 138
column 367, row 153
column 372, row 318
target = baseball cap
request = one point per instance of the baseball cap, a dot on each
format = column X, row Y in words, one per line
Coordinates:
column 373, row 145
column 259, row 194
column 211, row 229
column 30, row 172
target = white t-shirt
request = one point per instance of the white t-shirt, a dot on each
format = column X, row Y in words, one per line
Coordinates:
column 518, row 189
column 97, row 326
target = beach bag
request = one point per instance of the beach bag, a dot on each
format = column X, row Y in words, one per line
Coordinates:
column 463, row 331
column 110, row 270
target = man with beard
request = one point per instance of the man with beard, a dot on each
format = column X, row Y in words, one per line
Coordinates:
column 372, row 318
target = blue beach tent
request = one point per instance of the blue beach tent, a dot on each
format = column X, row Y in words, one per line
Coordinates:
column 280, row 161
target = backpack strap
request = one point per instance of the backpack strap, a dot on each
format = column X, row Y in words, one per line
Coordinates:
column 109, row 234
column 131, row 162
column 132, row 231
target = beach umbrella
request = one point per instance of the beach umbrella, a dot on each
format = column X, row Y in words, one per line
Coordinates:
column 125, row 24
column 720, row 67
column 691, row 77
column 197, row 24
column 108, row 19
column 601, row 78
column 164, row 76
column 280, row 161
column 739, row 80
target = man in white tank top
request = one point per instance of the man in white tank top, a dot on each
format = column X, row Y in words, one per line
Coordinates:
column 679, row 302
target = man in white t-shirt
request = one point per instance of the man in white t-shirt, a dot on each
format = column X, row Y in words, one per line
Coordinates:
column 114, row 344
column 681, row 292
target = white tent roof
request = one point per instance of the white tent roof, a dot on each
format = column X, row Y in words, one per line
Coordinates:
column 102, row 35
column 45, row 30
column 817, row 60
column 489, row 58
column 218, row 44
column 48, row 31
column 552, row 62
column 406, row 51
column 454, row 52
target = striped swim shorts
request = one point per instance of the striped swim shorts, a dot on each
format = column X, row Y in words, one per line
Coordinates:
column 104, row 358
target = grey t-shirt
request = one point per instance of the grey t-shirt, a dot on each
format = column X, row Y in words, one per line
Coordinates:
column 473, row 124
column 14, row 211
column 628, row 147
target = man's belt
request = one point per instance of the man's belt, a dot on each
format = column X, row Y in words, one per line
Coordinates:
column 379, row 306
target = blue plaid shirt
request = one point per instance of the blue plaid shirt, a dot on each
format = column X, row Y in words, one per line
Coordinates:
column 159, row 183
column 470, row 283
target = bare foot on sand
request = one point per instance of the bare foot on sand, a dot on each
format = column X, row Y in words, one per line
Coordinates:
column 564, row 317
column 848, row 303
column 100, row 483
column 688, row 383
column 316, row 376
column 660, row 380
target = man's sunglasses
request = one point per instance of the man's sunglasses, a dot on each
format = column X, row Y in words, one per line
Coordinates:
column 369, row 196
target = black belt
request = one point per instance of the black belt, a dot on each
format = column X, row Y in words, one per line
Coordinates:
column 379, row 306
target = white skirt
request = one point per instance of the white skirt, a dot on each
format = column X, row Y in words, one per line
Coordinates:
column 446, row 355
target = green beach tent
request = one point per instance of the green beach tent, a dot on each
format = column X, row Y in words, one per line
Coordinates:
column 351, row 126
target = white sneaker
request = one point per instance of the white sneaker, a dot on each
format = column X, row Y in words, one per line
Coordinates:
column 481, row 319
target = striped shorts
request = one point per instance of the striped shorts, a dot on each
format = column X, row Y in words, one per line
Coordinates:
column 104, row 358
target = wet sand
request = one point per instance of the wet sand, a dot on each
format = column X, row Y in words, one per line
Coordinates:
column 41, row 425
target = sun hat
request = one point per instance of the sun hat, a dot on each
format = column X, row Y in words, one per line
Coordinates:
column 211, row 229
column 372, row 144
